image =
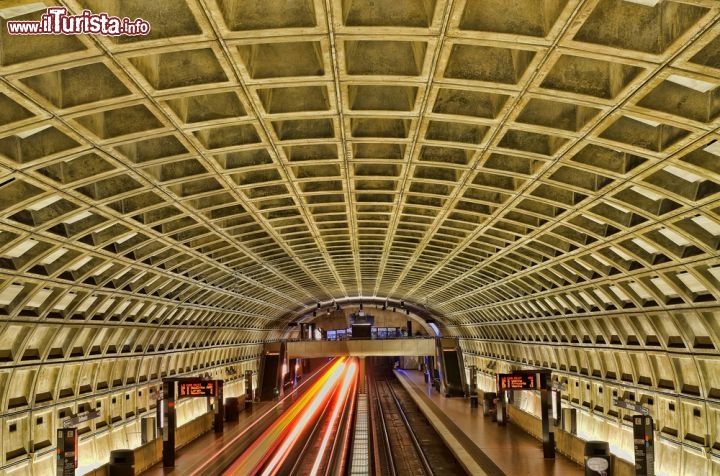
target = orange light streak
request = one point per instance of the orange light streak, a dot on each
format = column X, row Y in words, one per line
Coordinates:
column 348, row 383
column 301, row 423
column 261, row 449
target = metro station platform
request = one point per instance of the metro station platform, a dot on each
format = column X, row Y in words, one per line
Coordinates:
column 480, row 443
column 483, row 447
column 191, row 459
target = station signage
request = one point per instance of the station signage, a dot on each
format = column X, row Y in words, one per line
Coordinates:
column 67, row 451
column 518, row 381
column 644, row 443
column 197, row 388
column 631, row 406
column 81, row 418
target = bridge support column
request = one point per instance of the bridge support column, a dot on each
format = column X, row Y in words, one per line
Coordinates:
column 546, row 413
column 168, row 421
column 361, row 375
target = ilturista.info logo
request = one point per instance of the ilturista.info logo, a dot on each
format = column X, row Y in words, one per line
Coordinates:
column 56, row 21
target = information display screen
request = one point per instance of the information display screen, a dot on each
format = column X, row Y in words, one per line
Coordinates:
column 199, row 388
column 517, row 381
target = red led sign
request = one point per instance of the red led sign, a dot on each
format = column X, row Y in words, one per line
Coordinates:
column 517, row 381
column 198, row 388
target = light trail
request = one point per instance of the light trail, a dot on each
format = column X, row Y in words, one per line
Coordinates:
column 302, row 422
column 200, row 470
column 348, row 383
column 259, row 452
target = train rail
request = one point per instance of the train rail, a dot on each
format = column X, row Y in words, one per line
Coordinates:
column 222, row 453
column 312, row 433
column 326, row 450
column 404, row 442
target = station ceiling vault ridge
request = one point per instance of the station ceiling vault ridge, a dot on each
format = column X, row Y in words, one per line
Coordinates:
column 501, row 162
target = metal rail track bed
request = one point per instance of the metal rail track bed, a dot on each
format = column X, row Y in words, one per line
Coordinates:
column 405, row 443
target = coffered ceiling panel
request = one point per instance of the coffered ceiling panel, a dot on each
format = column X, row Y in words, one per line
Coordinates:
column 487, row 160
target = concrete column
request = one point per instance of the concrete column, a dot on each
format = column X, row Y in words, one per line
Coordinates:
column 302, row 331
column 168, row 423
column 312, row 331
column 546, row 412
column 361, row 375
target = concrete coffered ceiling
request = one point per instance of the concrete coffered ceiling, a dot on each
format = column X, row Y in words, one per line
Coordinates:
column 525, row 170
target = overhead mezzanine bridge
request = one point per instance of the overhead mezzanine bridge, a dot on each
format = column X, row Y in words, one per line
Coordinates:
column 362, row 347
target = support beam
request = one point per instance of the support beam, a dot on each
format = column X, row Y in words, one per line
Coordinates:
column 548, row 438
column 169, row 421
column 361, row 375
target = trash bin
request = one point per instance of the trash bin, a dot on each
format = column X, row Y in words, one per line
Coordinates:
column 488, row 404
column 473, row 401
column 597, row 458
column 232, row 409
column 122, row 463
column 501, row 412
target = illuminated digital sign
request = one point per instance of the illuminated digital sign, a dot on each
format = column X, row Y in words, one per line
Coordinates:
column 518, row 381
column 197, row 388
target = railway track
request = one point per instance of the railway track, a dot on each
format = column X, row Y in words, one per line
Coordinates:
column 325, row 449
column 404, row 443
column 216, row 454
column 316, row 438
column 310, row 436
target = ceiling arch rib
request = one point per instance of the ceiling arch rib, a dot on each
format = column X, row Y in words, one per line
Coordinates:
column 550, row 177
column 464, row 172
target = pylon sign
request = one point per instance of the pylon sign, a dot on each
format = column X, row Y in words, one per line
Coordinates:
column 67, row 451
column 644, row 445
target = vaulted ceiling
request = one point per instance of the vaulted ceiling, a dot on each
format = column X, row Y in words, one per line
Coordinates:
column 484, row 159
column 495, row 162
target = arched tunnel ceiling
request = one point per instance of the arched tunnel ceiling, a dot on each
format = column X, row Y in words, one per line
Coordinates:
column 485, row 159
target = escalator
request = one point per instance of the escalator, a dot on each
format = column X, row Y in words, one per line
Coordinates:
column 452, row 369
column 274, row 356
column 270, row 373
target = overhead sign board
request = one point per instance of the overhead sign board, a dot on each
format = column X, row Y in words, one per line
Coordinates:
column 81, row 418
column 197, row 388
column 631, row 406
column 518, row 381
